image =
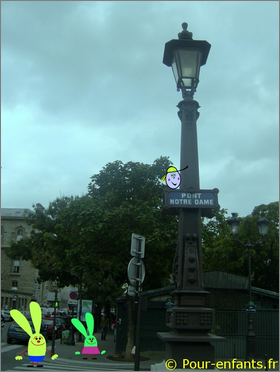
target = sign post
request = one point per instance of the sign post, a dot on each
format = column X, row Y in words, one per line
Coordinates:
column 54, row 321
column 136, row 275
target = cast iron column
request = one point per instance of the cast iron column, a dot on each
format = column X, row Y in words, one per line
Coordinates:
column 189, row 319
column 187, row 268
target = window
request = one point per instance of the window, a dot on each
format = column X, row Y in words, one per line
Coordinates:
column 20, row 234
column 14, row 285
column 16, row 267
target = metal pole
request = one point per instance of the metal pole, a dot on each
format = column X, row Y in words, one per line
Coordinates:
column 54, row 323
column 81, row 303
column 250, row 334
column 138, row 299
column 250, row 272
column 189, row 252
column 189, row 319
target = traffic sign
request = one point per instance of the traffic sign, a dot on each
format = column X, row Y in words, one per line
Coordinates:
column 251, row 307
column 73, row 295
column 169, row 302
column 132, row 271
column 137, row 245
column 72, row 302
column 191, row 199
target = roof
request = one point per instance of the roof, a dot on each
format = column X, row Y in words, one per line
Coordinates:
column 218, row 279
column 15, row 212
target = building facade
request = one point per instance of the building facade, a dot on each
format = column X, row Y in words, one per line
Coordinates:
column 18, row 278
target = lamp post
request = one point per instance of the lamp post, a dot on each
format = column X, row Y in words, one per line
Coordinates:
column 54, row 322
column 189, row 319
column 233, row 223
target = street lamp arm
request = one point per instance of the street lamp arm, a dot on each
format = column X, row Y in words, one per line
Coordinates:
column 259, row 242
column 237, row 240
column 249, row 244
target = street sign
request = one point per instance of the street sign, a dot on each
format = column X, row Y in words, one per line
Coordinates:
column 135, row 241
column 132, row 271
column 191, row 199
column 251, row 307
column 72, row 302
column 169, row 302
column 73, row 295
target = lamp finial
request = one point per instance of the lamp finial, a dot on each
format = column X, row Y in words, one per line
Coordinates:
column 185, row 34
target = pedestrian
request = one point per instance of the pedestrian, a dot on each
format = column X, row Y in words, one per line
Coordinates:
column 2, row 321
column 104, row 326
column 114, row 326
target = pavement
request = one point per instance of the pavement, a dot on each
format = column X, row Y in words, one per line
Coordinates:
column 68, row 352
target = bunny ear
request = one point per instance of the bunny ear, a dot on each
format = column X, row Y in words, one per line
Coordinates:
column 36, row 315
column 79, row 325
column 20, row 319
column 90, row 323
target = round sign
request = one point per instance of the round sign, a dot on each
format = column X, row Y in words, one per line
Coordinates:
column 132, row 271
column 73, row 295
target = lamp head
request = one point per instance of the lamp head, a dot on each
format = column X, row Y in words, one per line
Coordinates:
column 263, row 225
column 186, row 55
column 233, row 223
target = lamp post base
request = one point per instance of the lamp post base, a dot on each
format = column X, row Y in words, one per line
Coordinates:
column 190, row 350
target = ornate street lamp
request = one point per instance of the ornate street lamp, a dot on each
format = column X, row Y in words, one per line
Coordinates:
column 263, row 223
column 189, row 320
column 234, row 223
column 186, row 56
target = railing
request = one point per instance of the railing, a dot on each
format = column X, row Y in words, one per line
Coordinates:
column 232, row 324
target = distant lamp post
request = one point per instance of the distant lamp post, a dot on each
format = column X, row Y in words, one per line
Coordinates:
column 234, row 223
column 263, row 223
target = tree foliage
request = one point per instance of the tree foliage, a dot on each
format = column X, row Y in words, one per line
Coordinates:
column 222, row 252
column 88, row 238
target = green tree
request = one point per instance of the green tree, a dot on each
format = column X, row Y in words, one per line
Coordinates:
column 222, row 252
column 90, row 236
column 129, row 199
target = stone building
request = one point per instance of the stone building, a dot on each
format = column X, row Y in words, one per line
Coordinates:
column 18, row 278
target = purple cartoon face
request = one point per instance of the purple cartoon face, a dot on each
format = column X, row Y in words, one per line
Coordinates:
column 173, row 180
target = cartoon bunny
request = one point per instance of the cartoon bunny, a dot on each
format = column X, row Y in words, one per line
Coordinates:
column 37, row 343
column 90, row 344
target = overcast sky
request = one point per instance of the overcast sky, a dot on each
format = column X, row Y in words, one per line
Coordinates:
column 83, row 84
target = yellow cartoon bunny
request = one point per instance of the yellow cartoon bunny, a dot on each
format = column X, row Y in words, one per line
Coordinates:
column 37, row 343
